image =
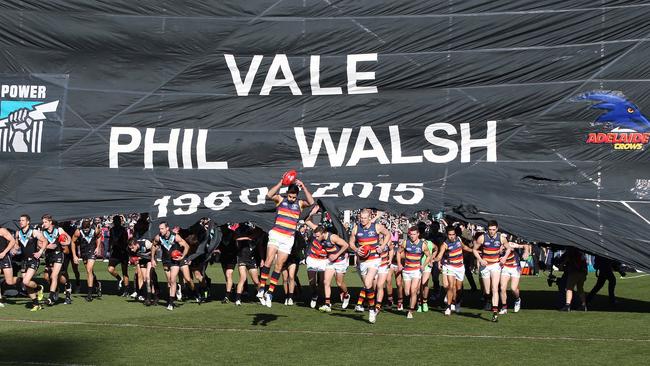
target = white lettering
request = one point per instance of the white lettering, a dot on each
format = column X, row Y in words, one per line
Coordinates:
column 211, row 200
column 187, row 204
column 396, row 148
column 314, row 79
column 450, row 145
column 280, row 62
column 490, row 142
column 335, row 155
column 150, row 146
column 321, row 192
column 354, row 75
column 202, row 160
column 187, row 148
column 243, row 87
column 260, row 198
column 359, row 152
column 115, row 148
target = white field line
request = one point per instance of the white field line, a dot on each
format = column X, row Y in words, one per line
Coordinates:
column 317, row 332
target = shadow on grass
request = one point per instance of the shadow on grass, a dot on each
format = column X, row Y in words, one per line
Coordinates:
column 263, row 320
column 358, row 316
column 23, row 349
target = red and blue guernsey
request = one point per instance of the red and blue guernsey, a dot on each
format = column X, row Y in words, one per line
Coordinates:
column 454, row 254
column 491, row 248
column 513, row 260
column 286, row 217
column 368, row 236
column 316, row 250
column 332, row 248
column 413, row 255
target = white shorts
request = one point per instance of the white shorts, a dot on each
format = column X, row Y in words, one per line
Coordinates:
column 383, row 269
column 411, row 275
column 487, row 270
column 282, row 242
column 427, row 269
column 393, row 267
column 458, row 272
column 338, row 267
column 514, row 272
column 368, row 264
column 317, row 265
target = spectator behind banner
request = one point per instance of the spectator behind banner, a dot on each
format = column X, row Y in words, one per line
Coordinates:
column 575, row 266
column 605, row 268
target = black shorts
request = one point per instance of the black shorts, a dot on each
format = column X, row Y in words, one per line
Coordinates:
column 168, row 263
column 53, row 257
column 32, row 263
column 291, row 259
column 197, row 263
column 89, row 255
column 6, row 262
column 248, row 262
column 114, row 261
column 142, row 263
column 228, row 262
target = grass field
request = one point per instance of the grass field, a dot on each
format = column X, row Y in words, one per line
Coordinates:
column 119, row 331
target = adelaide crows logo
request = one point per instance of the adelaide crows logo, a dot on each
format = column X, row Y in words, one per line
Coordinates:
column 628, row 128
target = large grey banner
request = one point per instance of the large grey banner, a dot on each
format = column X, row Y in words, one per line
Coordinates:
column 527, row 112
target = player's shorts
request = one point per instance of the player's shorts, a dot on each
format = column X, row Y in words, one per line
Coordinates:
column 291, row 259
column 487, row 270
column 115, row 260
column 284, row 243
column 427, row 269
column 316, row 265
column 393, row 267
column 88, row 256
column 143, row 263
column 458, row 272
column 6, row 262
column 32, row 263
column 338, row 267
column 514, row 272
column 228, row 261
column 168, row 263
column 53, row 257
column 249, row 262
column 364, row 266
column 383, row 269
column 411, row 275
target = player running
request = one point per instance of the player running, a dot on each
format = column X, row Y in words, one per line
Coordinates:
column 511, row 271
column 142, row 249
column 364, row 240
column 85, row 241
column 453, row 269
column 169, row 242
column 7, row 244
column 32, row 245
column 281, row 236
column 487, row 250
column 118, row 241
column 412, row 250
column 336, row 264
column 56, row 239
column 246, row 262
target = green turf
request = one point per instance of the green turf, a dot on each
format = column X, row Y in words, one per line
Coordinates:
column 114, row 330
